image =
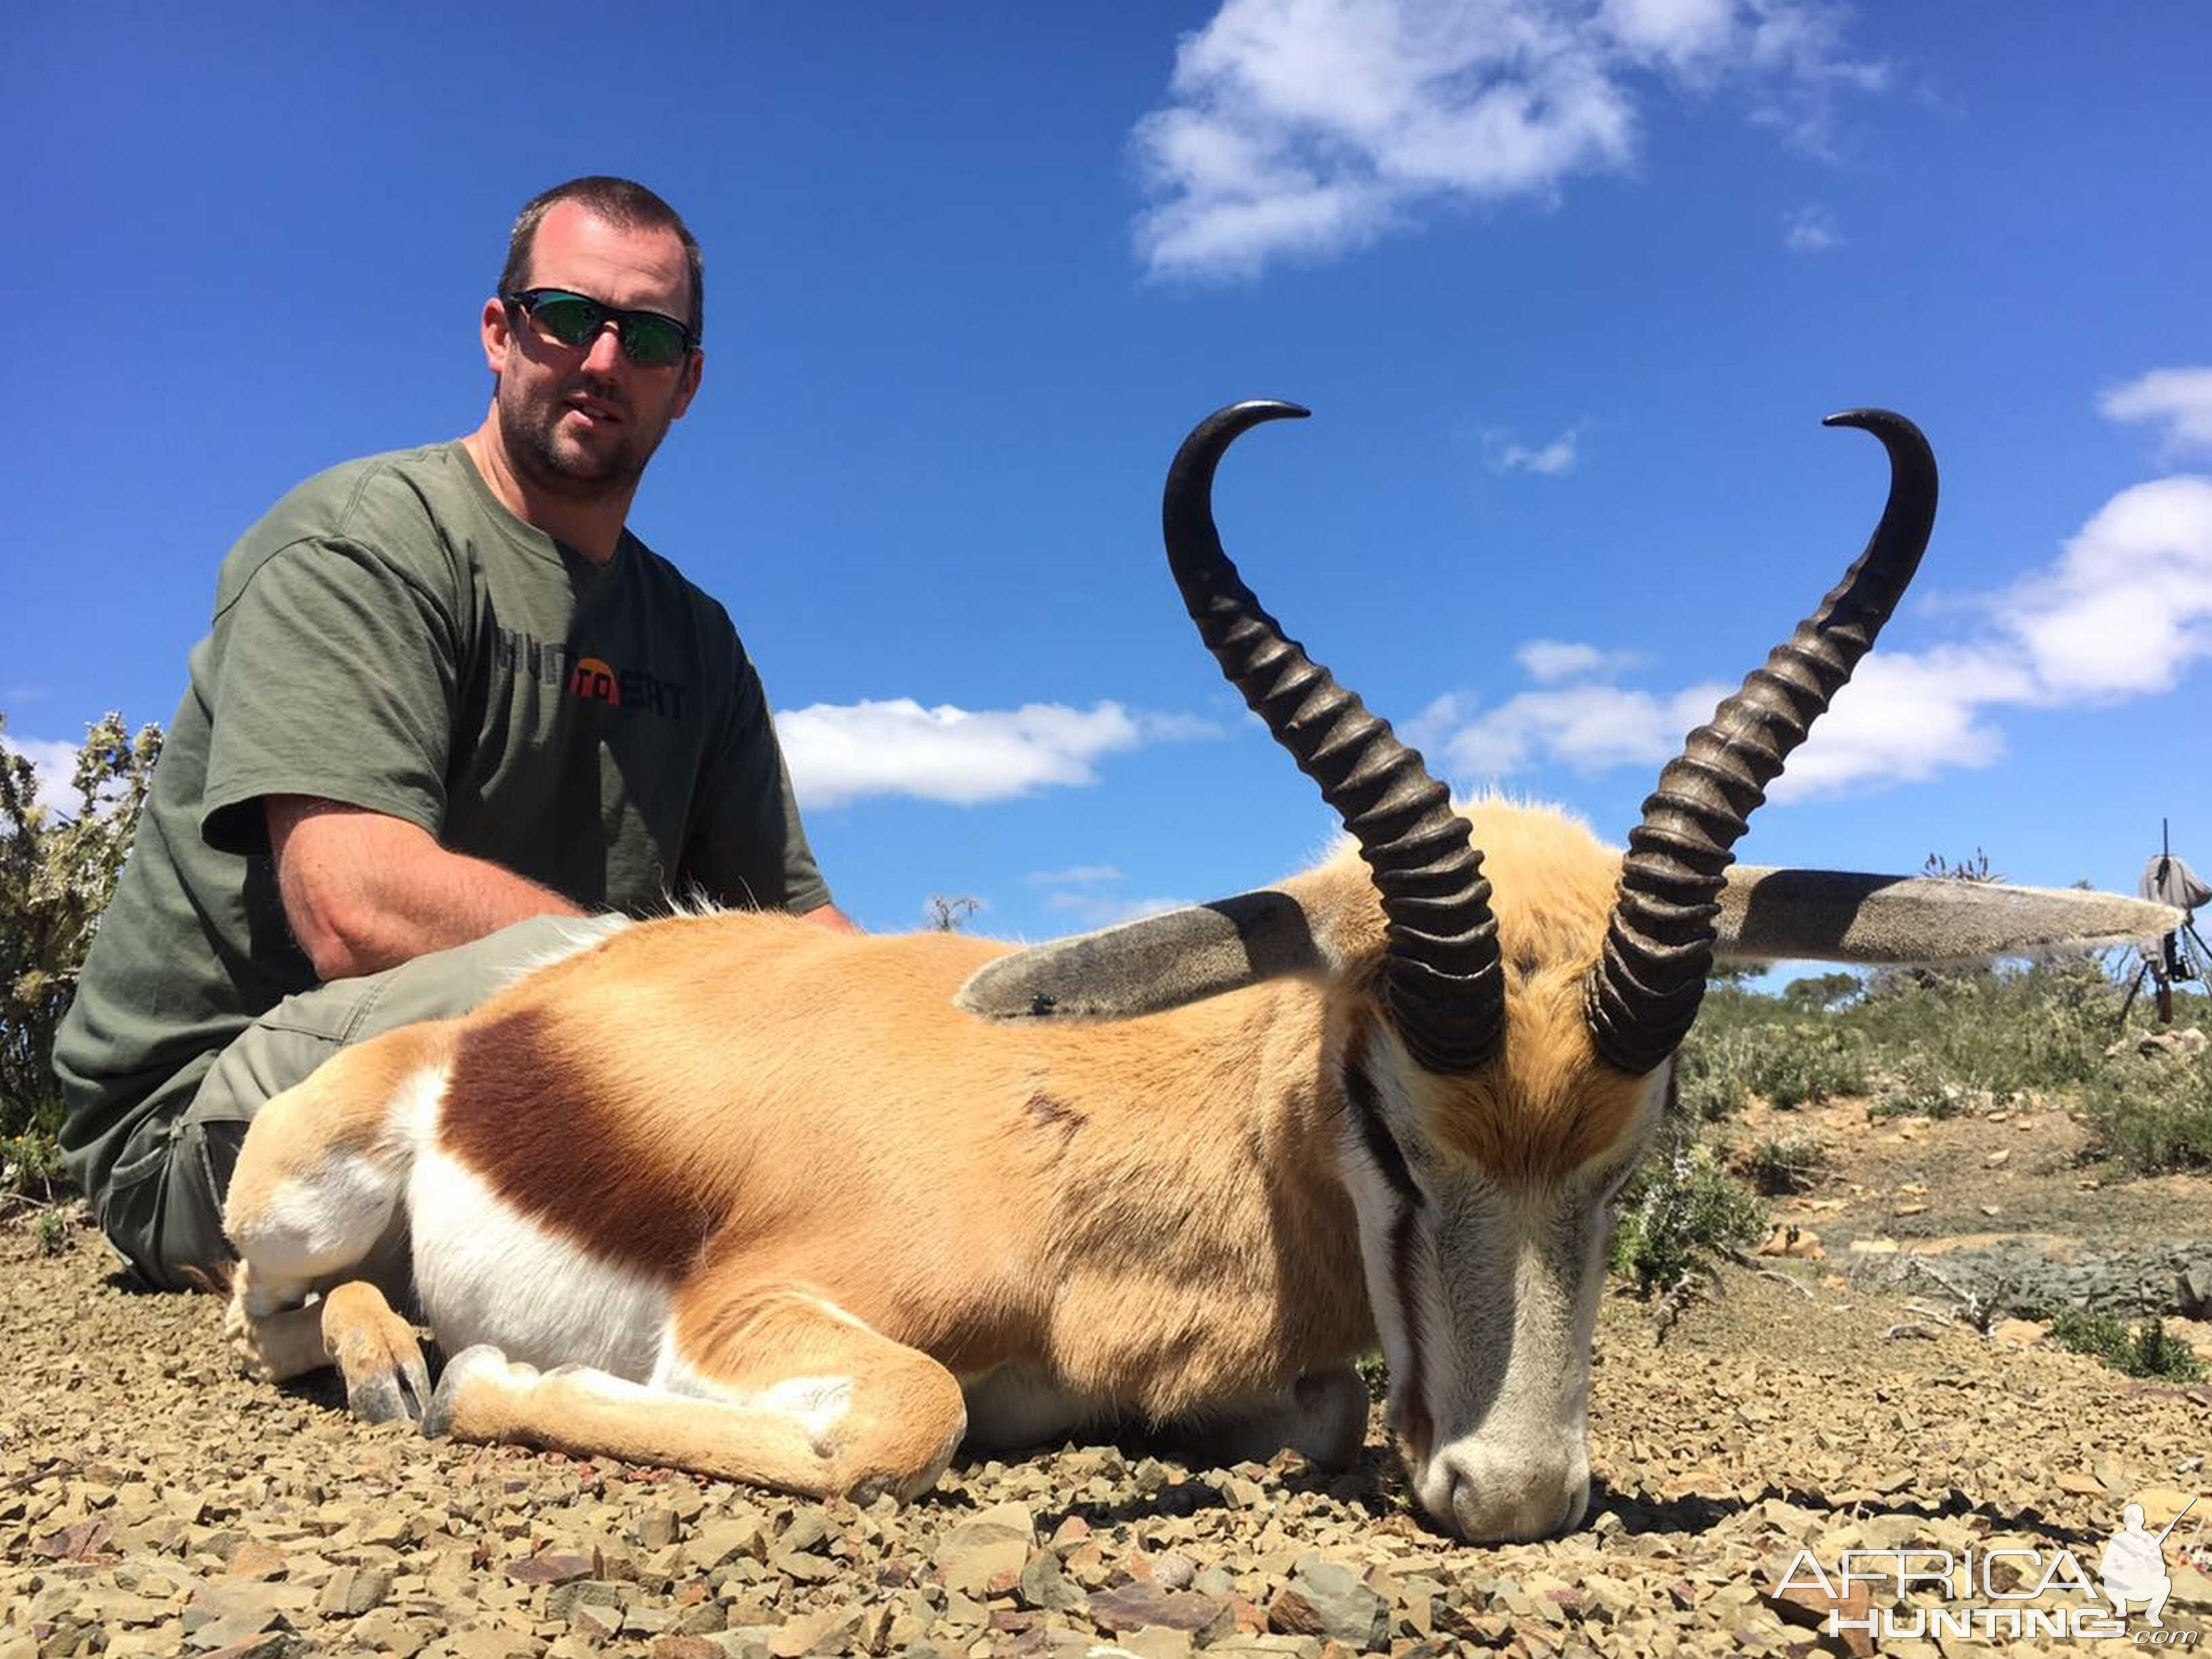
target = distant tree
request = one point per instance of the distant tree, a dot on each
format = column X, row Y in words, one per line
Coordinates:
column 1818, row 995
column 58, row 872
column 946, row 914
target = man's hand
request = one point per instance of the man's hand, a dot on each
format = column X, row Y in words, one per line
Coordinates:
column 830, row 916
column 364, row 892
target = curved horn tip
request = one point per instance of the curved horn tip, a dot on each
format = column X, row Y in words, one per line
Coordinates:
column 1232, row 419
column 1209, row 440
column 1884, row 423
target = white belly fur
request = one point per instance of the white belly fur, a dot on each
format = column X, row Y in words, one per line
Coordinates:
column 485, row 1273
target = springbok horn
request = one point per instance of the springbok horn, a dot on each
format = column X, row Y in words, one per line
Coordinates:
column 1447, row 997
column 1644, row 992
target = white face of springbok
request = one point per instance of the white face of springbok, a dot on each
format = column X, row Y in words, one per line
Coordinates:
column 1485, row 1289
column 1485, row 1202
column 1482, row 1194
column 1502, row 1066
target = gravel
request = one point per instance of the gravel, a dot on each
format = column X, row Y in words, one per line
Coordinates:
column 151, row 1502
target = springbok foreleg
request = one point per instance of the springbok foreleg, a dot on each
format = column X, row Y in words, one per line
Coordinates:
column 780, row 1389
column 352, row 1328
column 315, row 1204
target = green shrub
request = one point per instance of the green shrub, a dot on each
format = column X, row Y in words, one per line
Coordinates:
column 1823, row 994
column 58, row 870
column 1784, row 1165
column 1709, row 1075
column 1680, row 1213
column 2004, row 1030
column 30, row 1167
column 1730, row 1010
column 1744, row 1044
column 1375, row 1371
column 1806, row 1063
column 1917, row 1087
column 2147, row 1349
column 2154, row 1115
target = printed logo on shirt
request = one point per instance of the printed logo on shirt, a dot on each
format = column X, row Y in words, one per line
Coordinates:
column 594, row 682
column 589, row 679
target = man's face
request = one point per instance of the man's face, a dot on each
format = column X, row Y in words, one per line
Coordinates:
column 582, row 421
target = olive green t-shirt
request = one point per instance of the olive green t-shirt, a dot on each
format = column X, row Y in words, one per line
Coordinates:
column 391, row 637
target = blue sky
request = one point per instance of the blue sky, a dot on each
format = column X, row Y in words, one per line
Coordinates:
column 1568, row 287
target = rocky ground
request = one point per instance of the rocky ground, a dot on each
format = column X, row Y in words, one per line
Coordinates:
column 1992, row 1213
column 1828, row 1400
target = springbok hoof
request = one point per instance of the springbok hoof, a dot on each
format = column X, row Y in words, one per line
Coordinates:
column 438, row 1417
column 400, row 1393
column 376, row 1351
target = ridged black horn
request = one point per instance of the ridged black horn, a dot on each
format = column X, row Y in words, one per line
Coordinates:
column 1645, row 991
column 1446, row 994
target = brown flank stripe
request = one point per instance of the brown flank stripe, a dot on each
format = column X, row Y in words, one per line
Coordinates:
column 517, row 1114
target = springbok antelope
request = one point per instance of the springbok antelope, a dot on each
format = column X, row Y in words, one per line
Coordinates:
column 742, row 1196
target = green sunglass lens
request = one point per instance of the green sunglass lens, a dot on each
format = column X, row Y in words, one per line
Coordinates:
column 571, row 322
column 649, row 341
column 651, row 344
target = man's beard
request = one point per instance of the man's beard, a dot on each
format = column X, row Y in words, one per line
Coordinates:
column 570, row 469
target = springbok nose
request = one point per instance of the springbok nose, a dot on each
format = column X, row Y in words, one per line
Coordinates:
column 1494, row 1499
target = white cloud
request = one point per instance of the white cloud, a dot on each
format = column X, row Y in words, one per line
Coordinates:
column 2128, row 607
column 1550, row 660
column 54, row 764
column 2123, row 613
column 1555, row 460
column 1811, row 230
column 1307, row 127
column 1905, row 717
column 1081, row 899
column 841, row 752
column 1090, row 910
column 1082, row 875
column 1588, row 727
column 1683, row 32
column 2181, row 398
column 1436, row 726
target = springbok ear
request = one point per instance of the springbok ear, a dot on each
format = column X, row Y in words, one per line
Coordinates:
column 1143, row 967
column 1834, row 915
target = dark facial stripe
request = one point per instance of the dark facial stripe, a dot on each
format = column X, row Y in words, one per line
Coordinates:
column 1363, row 1104
column 1366, row 1110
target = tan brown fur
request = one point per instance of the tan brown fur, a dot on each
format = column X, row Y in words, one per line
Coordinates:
column 1088, row 1192
column 1548, row 1103
column 796, row 1159
column 1149, row 1210
column 339, row 1109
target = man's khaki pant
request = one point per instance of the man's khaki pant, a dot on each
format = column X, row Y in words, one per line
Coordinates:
column 163, row 1205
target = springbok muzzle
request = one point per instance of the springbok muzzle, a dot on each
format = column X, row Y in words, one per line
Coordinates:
column 1493, row 1494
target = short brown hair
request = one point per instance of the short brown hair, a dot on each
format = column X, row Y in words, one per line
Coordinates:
column 622, row 203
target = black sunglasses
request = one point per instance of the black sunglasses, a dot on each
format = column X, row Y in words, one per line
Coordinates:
column 648, row 339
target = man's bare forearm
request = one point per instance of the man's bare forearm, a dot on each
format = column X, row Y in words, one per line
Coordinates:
column 365, row 892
